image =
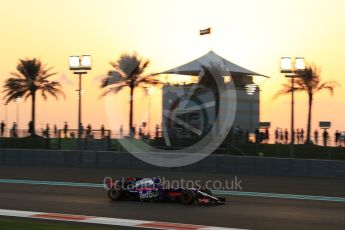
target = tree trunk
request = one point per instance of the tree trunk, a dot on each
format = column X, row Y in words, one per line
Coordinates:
column 308, row 140
column 131, row 128
column 33, row 113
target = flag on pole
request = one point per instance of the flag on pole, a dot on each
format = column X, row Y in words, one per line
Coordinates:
column 205, row 31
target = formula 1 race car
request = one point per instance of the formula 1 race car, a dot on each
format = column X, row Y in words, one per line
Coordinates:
column 151, row 189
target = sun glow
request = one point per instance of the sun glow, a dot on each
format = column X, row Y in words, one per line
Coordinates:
column 167, row 33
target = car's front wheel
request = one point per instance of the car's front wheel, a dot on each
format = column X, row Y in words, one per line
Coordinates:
column 187, row 196
column 114, row 194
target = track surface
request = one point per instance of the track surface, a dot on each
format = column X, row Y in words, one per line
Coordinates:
column 239, row 212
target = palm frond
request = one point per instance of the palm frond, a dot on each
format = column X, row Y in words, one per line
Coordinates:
column 113, row 89
column 31, row 76
column 286, row 89
column 128, row 71
column 45, row 75
column 17, row 75
column 328, row 85
column 113, row 78
column 300, row 85
column 147, row 80
column 309, row 81
column 52, row 88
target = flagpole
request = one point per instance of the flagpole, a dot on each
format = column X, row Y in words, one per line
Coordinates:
column 207, row 32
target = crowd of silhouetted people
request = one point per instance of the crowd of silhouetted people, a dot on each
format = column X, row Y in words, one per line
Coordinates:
column 53, row 132
column 237, row 134
column 84, row 132
column 283, row 136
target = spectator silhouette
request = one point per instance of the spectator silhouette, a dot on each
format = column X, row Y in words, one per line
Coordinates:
column 286, row 135
column 2, row 128
column 276, row 135
column 121, row 130
column 81, row 129
column 325, row 137
column 47, row 131
column 281, row 136
column 102, row 131
column 134, row 130
column 316, row 136
column 65, row 129
column 337, row 138
column 267, row 134
column 31, row 127
column 14, row 130
column 140, row 131
column 55, row 131
column 302, row 136
column 298, row 136
column 88, row 130
column 157, row 131
column 257, row 136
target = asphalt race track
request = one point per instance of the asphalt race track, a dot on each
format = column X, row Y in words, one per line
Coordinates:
column 240, row 211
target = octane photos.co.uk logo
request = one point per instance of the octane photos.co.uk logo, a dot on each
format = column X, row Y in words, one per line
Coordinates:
column 233, row 184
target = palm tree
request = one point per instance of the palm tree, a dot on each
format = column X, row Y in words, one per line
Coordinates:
column 309, row 81
column 128, row 72
column 31, row 77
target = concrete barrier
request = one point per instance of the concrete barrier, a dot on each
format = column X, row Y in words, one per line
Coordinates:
column 337, row 169
column 105, row 160
column 281, row 167
column 208, row 165
column 56, row 158
column 2, row 157
column 300, row 167
column 12, row 157
column 27, row 158
column 319, row 168
column 41, row 158
column 73, row 158
column 89, row 159
column 263, row 166
column 211, row 164
column 245, row 165
column 227, row 164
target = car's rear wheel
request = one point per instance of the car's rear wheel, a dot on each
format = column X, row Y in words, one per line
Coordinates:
column 187, row 196
column 114, row 194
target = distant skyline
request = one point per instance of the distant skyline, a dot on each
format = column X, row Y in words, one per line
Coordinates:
column 253, row 34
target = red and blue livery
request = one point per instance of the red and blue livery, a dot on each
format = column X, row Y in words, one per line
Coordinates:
column 151, row 189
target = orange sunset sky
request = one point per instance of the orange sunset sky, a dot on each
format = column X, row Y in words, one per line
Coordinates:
column 250, row 33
